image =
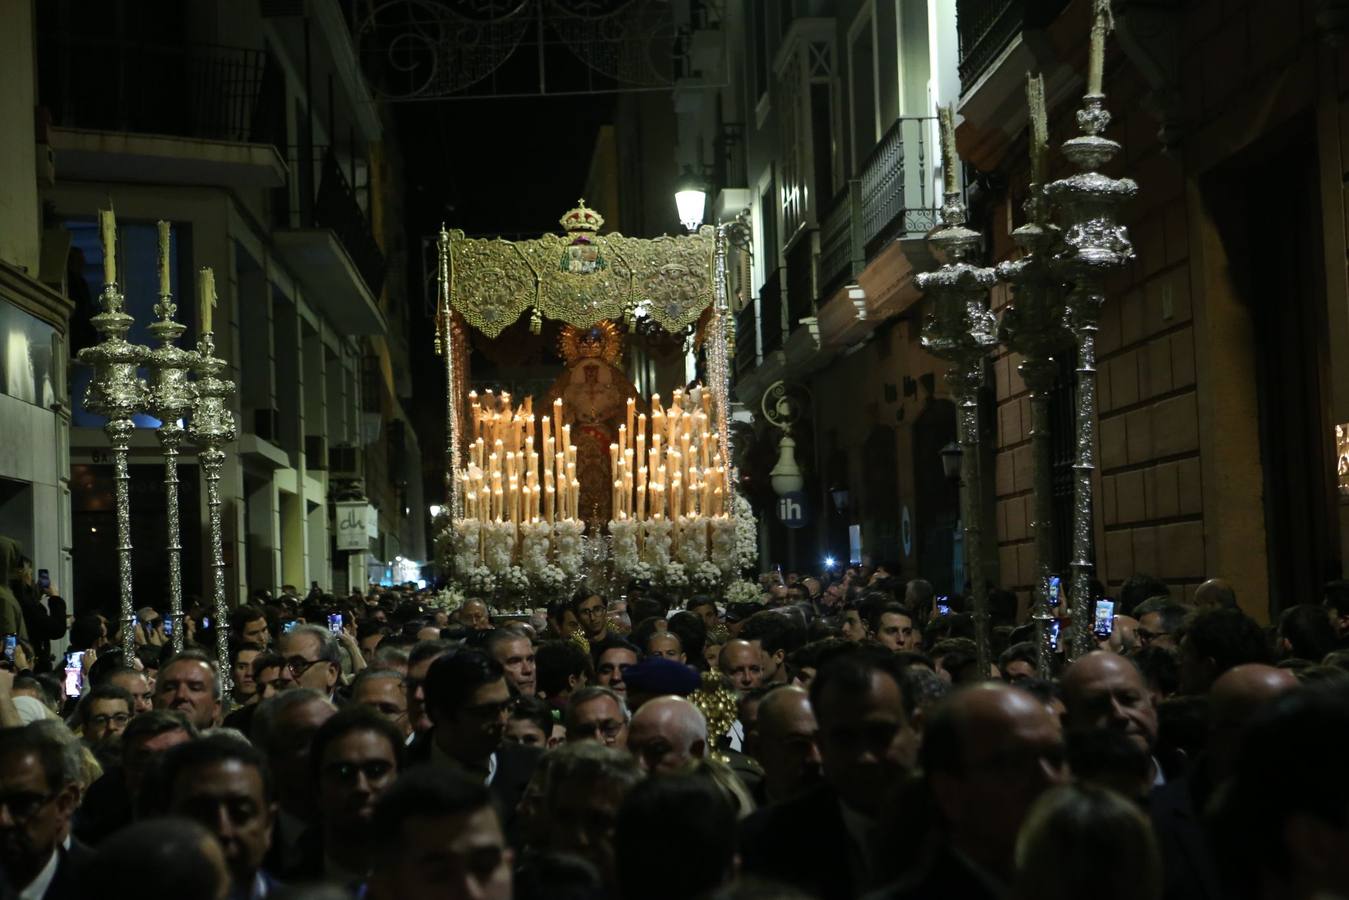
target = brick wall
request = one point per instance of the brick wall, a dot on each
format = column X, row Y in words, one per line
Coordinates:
column 1150, row 495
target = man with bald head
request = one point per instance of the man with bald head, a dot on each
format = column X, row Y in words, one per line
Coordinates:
column 1189, row 868
column 741, row 662
column 786, row 747
column 1215, row 594
column 666, row 734
column 1106, row 691
column 989, row 751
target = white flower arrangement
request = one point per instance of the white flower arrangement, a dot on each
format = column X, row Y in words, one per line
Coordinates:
column 449, row 599
column 724, row 544
column 514, row 581
column 656, row 549
column 746, row 534
column 549, row 582
column 480, row 582
column 643, row 571
column 706, row 576
column 692, row 540
column 675, row 577
column 567, row 538
column 535, row 540
column 742, row 592
column 624, row 545
column 498, row 545
column 465, row 535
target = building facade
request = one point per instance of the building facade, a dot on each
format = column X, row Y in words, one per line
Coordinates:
column 251, row 131
column 1222, row 377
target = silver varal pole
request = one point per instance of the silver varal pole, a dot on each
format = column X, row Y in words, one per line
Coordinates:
column 962, row 331
column 1032, row 325
column 118, row 393
column 211, row 427
column 171, row 399
column 1095, row 244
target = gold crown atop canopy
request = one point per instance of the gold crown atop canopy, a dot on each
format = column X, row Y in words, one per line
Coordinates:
column 582, row 218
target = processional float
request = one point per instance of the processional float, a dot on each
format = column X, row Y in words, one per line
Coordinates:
column 651, row 499
column 1057, row 295
column 197, row 410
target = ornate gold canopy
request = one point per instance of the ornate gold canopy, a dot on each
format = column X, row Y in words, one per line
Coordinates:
column 581, row 277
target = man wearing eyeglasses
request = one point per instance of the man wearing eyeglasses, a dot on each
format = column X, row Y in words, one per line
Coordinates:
column 470, row 702
column 312, row 660
column 38, row 795
column 597, row 714
column 104, row 713
column 356, row 755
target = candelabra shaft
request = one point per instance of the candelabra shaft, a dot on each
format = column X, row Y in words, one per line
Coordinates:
column 173, row 540
column 1043, row 510
column 971, row 509
column 718, row 369
column 1085, row 305
column 212, row 460
column 119, row 432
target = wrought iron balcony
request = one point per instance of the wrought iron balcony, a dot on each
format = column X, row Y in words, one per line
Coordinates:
column 326, row 199
column 898, row 191
column 842, row 250
column 987, row 27
column 770, row 313
column 183, row 90
column 746, row 338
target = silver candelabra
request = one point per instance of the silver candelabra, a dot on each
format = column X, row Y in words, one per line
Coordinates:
column 172, row 397
column 961, row 330
column 211, row 427
column 1095, row 243
column 118, row 393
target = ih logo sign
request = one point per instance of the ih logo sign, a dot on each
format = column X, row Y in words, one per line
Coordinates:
column 792, row 511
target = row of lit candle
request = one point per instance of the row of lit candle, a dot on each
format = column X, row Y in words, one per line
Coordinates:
column 682, row 473
column 508, row 480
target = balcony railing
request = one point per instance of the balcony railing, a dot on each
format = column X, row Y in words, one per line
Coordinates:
column 327, row 200
column 185, row 90
column 842, row 250
column 770, row 312
column 746, row 339
column 800, row 281
column 898, row 195
column 986, row 27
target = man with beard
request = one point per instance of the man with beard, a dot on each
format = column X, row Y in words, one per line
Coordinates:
column 356, row 757
column 221, row 782
column 188, row 684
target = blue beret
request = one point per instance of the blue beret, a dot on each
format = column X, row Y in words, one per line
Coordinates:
column 658, row 675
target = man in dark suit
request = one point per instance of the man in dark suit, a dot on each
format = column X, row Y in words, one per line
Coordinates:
column 823, row 840
column 988, row 752
column 39, row 771
column 470, row 702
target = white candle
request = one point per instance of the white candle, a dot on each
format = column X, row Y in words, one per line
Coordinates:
column 107, row 232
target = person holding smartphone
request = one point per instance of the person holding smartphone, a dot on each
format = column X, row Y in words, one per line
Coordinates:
column 44, row 612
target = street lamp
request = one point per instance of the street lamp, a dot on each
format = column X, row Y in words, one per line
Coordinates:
column 786, row 476
column 691, row 199
column 950, row 460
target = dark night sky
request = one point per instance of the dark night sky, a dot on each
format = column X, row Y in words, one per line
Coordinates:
column 489, row 166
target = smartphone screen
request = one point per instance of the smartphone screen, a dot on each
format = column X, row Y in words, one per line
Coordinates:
column 335, row 623
column 943, row 606
column 44, row 579
column 74, row 673
column 1055, row 588
column 205, row 621
column 11, row 644
column 168, row 626
column 289, row 626
column 1104, row 619
column 1055, row 629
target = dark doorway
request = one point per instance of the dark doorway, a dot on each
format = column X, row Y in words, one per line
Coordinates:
column 1269, row 209
column 936, row 497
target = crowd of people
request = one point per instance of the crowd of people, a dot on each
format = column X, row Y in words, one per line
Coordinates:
column 383, row 746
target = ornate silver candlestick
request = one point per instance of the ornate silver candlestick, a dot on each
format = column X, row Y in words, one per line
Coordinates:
column 1032, row 325
column 1095, row 244
column 118, row 393
column 962, row 331
column 171, row 398
column 211, row 427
